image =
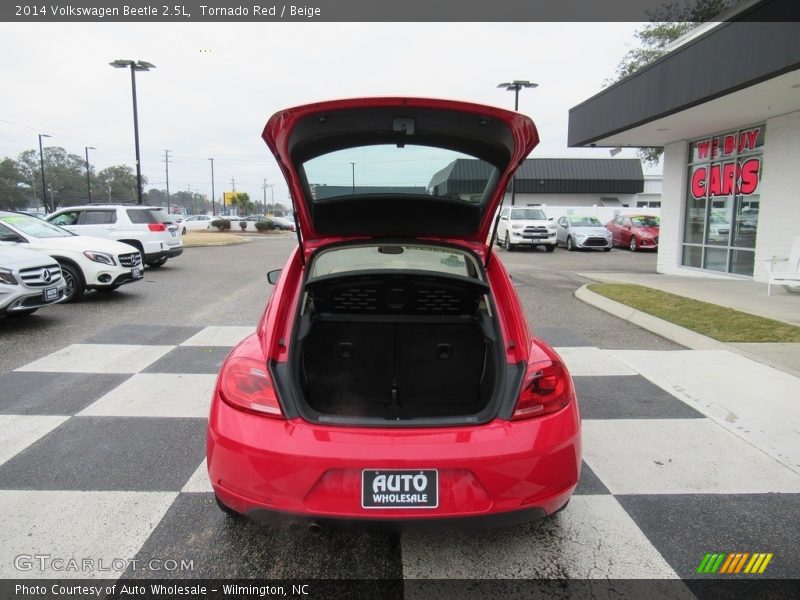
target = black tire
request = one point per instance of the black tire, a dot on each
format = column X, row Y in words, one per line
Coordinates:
column 507, row 245
column 606, row 249
column 550, row 247
column 227, row 509
column 155, row 264
column 184, row 231
column 633, row 244
column 76, row 286
column 570, row 245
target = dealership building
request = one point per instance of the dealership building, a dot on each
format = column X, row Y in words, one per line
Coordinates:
column 725, row 105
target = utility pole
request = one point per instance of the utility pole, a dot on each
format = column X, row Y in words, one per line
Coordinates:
column 233, row 185
column 264, row 189
column 166, row 164
column 184, row 200
column 88, row 173
column 44, row 183
column 213, row 200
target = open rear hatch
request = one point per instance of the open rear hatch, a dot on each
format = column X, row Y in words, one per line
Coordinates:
column 410, row 167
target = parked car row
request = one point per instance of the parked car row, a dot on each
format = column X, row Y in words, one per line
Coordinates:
column 79, row 248
column 530, row 227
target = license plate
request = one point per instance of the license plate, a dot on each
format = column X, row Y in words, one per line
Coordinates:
column 136, row 273
column 399, row 489
column 50, row 294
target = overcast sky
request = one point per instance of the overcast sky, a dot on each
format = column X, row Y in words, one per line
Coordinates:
column 216, row 85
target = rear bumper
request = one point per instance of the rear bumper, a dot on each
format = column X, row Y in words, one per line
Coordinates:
column 164, row 253
column 500, row 472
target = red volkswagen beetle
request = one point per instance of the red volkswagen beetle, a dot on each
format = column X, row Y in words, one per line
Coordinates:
column 393, row 377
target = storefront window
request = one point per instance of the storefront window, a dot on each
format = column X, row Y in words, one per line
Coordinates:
column 722, row 201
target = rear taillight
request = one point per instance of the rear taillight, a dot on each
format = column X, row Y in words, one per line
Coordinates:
column 156, row 227
column 547, row 388
column 244, row 383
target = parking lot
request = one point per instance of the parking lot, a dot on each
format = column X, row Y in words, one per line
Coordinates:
column 103, row 405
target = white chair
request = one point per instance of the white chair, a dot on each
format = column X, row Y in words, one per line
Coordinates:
column 790, row 275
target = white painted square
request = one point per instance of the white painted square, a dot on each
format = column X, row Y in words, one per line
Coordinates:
column 199, row 481
column 219, row 335
column 157, row 395
column 106, row 527
column 593, row 538
column 17, row 432
column 592, row 361
column 756, row 402
column 679, row 456
column 99, row 358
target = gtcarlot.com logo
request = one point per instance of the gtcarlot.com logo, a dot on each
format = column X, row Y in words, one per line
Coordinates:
column 735, row 563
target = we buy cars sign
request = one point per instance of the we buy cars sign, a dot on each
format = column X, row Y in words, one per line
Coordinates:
column 727, row 177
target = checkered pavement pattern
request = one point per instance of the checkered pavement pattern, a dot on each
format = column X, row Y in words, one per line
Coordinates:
column 102, row 450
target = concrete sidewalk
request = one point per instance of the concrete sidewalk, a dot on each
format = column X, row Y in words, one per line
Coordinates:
column 743, row 295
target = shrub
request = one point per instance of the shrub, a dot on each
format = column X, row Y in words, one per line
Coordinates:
column 264, row 226
column 221, row 224
column 242, row 225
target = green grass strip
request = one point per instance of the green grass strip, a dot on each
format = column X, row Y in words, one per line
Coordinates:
column 722, row 324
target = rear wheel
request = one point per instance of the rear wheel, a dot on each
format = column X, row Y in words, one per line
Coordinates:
column 154, row 264
column 75, row 284
column 633, row 245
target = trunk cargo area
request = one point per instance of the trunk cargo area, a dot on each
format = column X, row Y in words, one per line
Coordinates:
column 396, row 346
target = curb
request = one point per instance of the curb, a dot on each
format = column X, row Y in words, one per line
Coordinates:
column 209, row 244
column 680, row 335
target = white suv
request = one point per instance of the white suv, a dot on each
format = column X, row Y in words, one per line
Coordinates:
column 148, row 228
column 28, row 281
column 87, row 263
column 525, row 226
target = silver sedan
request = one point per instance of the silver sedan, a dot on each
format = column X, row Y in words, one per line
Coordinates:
column 578, row 231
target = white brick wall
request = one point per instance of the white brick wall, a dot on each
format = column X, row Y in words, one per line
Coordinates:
column 779, row 212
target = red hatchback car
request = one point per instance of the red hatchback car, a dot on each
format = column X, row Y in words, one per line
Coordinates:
column 634, row 231
column 392, row 377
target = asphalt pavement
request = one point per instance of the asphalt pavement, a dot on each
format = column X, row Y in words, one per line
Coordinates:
column 102, row 426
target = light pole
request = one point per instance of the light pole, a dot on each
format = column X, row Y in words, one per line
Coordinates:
column 353, row 165
column 213, row 197
column 516, row 86
column 138, row 65
column 88, row 179
column 41, row 162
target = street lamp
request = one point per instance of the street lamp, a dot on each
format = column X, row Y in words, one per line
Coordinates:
column 352, row 164
column 88, row 180
column 213, row 197
column 41, row 162
column 134, row 66
column 516, row 86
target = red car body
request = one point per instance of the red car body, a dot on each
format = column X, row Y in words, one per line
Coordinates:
column 636, row 232
column 281, row 443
